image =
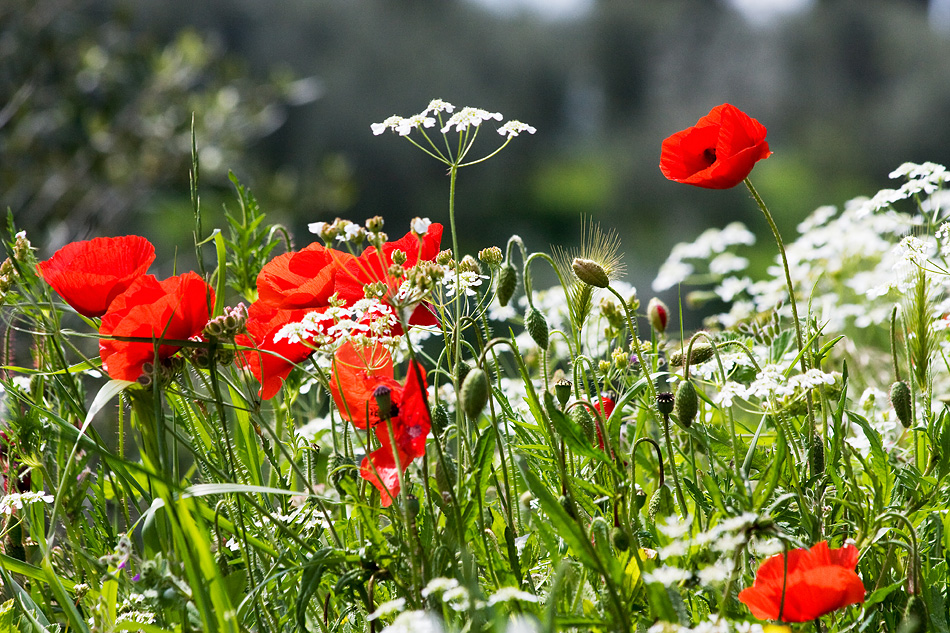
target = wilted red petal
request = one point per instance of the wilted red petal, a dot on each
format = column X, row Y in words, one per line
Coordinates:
column 411, row 425
column 304, row 279
column 274, row 361
column 176, row 308
column 819, row 581
column 380, row 470
column 89, row 275
column 716, row 153
column 357, row 371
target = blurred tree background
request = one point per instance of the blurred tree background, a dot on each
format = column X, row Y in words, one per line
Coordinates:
column 97, row 96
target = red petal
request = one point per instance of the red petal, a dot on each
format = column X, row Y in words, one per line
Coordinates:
column 304, row 279
column 274, row 361
column 89, row 275
column 357, row 371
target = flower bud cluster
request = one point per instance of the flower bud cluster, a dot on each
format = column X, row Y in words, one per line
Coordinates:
column 342, row 230
column 229, row 324
column 491, row 257
column 165, row 372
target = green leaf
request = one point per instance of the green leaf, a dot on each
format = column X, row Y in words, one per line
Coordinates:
column 572, row 433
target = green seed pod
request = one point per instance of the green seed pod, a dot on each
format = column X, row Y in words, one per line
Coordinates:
column 507, row 281
column 445, row 476
column 702, row 351
column 900, row 400
column 537, row 327
column 915, row 619
column 562, row 391
column 475, row 392
column 583, row 418
column 619, row 539
column 665, row 402
column 440, row 419
column 661, row 504
column 686, row 403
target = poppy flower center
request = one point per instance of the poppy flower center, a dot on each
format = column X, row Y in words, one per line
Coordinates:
column 709, row 155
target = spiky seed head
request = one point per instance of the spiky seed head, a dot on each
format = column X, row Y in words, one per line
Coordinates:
column 665, row 401
column 562, row 390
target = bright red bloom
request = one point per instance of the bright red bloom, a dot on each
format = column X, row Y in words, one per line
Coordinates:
column 605, row 406
column 270, row 362
column 89, row 275
column 359, row 376
column 304, row 279
column 716, row 153
column 174, row 309
column 372, row 266
column 820, row 580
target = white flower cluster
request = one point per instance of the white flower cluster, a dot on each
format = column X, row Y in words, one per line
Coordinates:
column 468, row 281
column 676, row 269
column 770, row 385
column 461, row 121
column 17, row 501
column 329, row 328
column 415, row 622
column 713, row 625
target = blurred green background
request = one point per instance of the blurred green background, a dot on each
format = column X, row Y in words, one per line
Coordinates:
column 97, row 97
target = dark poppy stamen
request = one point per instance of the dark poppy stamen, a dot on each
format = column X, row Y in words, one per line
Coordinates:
column 710, row 155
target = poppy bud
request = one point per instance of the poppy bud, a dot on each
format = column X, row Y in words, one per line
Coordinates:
column 900, row 400
column 590, row 272
column 384, row 400
column 474, row 393
column 582, row 418
column 661, row 504
column 658, row 314
column 700, row 354
column 562, row 390
column 915, row 617
column 412, row 506
column 507, row 281
column 445, row 474
column 440, row 419
column 686, row 403
column 537, row 327
column 665, row 402
column 639, row 498
column 619, row 539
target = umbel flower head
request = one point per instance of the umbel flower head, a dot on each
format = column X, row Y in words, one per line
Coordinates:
column 820, row 580
column 716, row 153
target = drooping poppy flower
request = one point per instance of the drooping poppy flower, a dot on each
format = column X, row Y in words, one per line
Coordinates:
column 89, row 275
column 271, row 361
column 373, row 266
column 716, row 153
column 174, row 309
column 304, row 279
column 819, row 581
column 362, row 376
column 605, row 406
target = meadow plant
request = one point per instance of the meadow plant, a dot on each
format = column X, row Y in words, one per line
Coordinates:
column 379, row 433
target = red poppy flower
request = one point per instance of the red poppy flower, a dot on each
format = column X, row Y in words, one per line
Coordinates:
column 360, row 375
column 819, row 581
column 304, row 279
column 716, row 153
column 605, row 406
column 373, row 265
column 89, row 275
column 174, row 309
column 270, row 362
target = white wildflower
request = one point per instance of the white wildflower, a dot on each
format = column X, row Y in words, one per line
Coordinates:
column 420, row 226
column 415, row 622
column 389, row 124
column 469, row 117
column 727, row 263
column 467, row 281
column 439, row 585
column 386, row 608
column 438, row 105
column 406, row 126
column 514, row 128
column 667, row 575
column 507, row 594
column 11, row 503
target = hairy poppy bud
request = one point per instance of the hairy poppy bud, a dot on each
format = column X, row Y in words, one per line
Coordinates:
column 582, row 417
column 384, row 400
column 590, row 272
column 619, row 539
column 915, row 619
column 440, row 419
column 665, row 402
column 661, row 504
column 507, row 281
column 445, row 474
column 562, row 390
column 700, row 354
column 537, row 327
column 474, row 392
column 900, row 400
column 686, row 403
column 658, row 314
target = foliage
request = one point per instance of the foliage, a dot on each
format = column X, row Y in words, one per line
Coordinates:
column 562, row 486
